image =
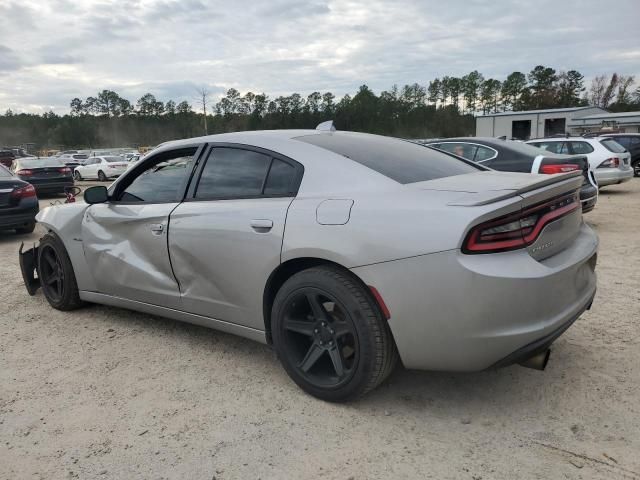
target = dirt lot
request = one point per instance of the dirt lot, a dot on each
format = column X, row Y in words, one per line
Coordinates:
column 107, row 393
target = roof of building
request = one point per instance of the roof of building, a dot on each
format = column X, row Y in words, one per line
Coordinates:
column 620, row 117
column 530, row 112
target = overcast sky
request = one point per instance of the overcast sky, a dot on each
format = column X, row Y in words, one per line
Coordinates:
column 54, row 50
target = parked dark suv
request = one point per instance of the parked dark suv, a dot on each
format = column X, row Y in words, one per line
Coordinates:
column 630, row 141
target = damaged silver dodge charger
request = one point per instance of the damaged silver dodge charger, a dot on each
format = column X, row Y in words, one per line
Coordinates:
column 343, row 250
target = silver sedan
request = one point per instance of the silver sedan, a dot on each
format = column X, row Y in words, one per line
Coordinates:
column 343, row 250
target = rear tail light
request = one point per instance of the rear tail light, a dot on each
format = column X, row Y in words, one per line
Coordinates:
column 564, row 168
column 612, row 162
column 24, row 172
column 24, row 192
column 518, row 230
column 64, row 170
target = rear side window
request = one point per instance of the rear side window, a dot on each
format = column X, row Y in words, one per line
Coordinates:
column 581, row 147
column 232, row 172
column 463, row 150
column 4, row 173
column 613, row 146
column 281, row 178
column 484, row 153
column 399, row 160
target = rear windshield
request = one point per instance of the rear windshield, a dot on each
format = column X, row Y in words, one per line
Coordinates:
column 613, row 146
column 80, row 156
column 113, row 159
column 41, row 162
column 402, row 161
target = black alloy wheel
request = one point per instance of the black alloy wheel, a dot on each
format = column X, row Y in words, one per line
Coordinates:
column 330, row 334
column 56, row 274
column 51, row 274
column 101, row 176
column 320, row 337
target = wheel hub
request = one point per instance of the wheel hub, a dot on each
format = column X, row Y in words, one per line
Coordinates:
column 324, row 335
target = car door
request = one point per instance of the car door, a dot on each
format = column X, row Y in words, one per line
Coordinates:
column 90, row 170
column 125, row 239
column 225, row 239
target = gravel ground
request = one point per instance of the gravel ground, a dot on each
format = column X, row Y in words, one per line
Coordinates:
column 107, row 393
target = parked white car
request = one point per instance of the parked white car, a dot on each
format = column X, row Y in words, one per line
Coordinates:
column 101, row 168
column 610, row 161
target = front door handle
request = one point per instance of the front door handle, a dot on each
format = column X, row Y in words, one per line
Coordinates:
column 157, row 228
column 261, row 225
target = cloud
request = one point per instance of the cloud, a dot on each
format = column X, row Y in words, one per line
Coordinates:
column 56, row 50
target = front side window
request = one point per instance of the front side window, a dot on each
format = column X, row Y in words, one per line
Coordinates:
column 161, row 182
column 553, row 147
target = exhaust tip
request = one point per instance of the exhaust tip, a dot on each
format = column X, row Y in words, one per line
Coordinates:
column 538, row 361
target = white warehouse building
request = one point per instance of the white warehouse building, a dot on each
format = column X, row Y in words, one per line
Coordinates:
column 530, row 124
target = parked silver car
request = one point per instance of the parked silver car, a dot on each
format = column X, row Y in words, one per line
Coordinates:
column 341, row 249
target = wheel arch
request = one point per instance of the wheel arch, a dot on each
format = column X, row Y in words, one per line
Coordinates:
column 286, row 270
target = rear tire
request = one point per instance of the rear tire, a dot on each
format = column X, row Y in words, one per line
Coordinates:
column 636, row 169
column 330, row 334
column 101, row 176
column 56, row 275
column 29, row 228
column 77, row 175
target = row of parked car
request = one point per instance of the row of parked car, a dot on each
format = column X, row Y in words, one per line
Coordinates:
column 601, row 159
column 23, row 178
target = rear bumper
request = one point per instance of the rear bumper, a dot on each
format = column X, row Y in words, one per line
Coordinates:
column 456, row 312
column 50, row 187
column 613, row 176
column 20, row 218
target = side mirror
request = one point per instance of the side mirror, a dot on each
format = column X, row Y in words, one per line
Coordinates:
column 97, row 194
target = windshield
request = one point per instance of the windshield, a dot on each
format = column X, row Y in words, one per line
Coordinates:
column 40, row 163
column 80, row 156
column 400, row 160
column 613, row 146
column 112, row 159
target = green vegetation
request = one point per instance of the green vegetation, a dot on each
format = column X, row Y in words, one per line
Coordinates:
column 445, row 107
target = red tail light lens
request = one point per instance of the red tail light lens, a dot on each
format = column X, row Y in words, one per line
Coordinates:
column 24, row 172
column 24, row 192
column 64, row 170
column 613, row 162
column 552, row 169
column 518, row 230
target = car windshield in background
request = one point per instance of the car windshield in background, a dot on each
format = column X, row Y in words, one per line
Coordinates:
column 80, row 156
column 113, row 159
column 613, row 146
column 524, row 148
column 402, row 161
column 41, row 163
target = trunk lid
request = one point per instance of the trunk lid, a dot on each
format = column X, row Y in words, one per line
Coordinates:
column 532, row 194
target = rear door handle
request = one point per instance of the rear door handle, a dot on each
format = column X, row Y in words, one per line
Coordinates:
column 261, row 225
column 157, row 228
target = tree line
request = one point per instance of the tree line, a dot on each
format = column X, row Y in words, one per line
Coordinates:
column 444, row 107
